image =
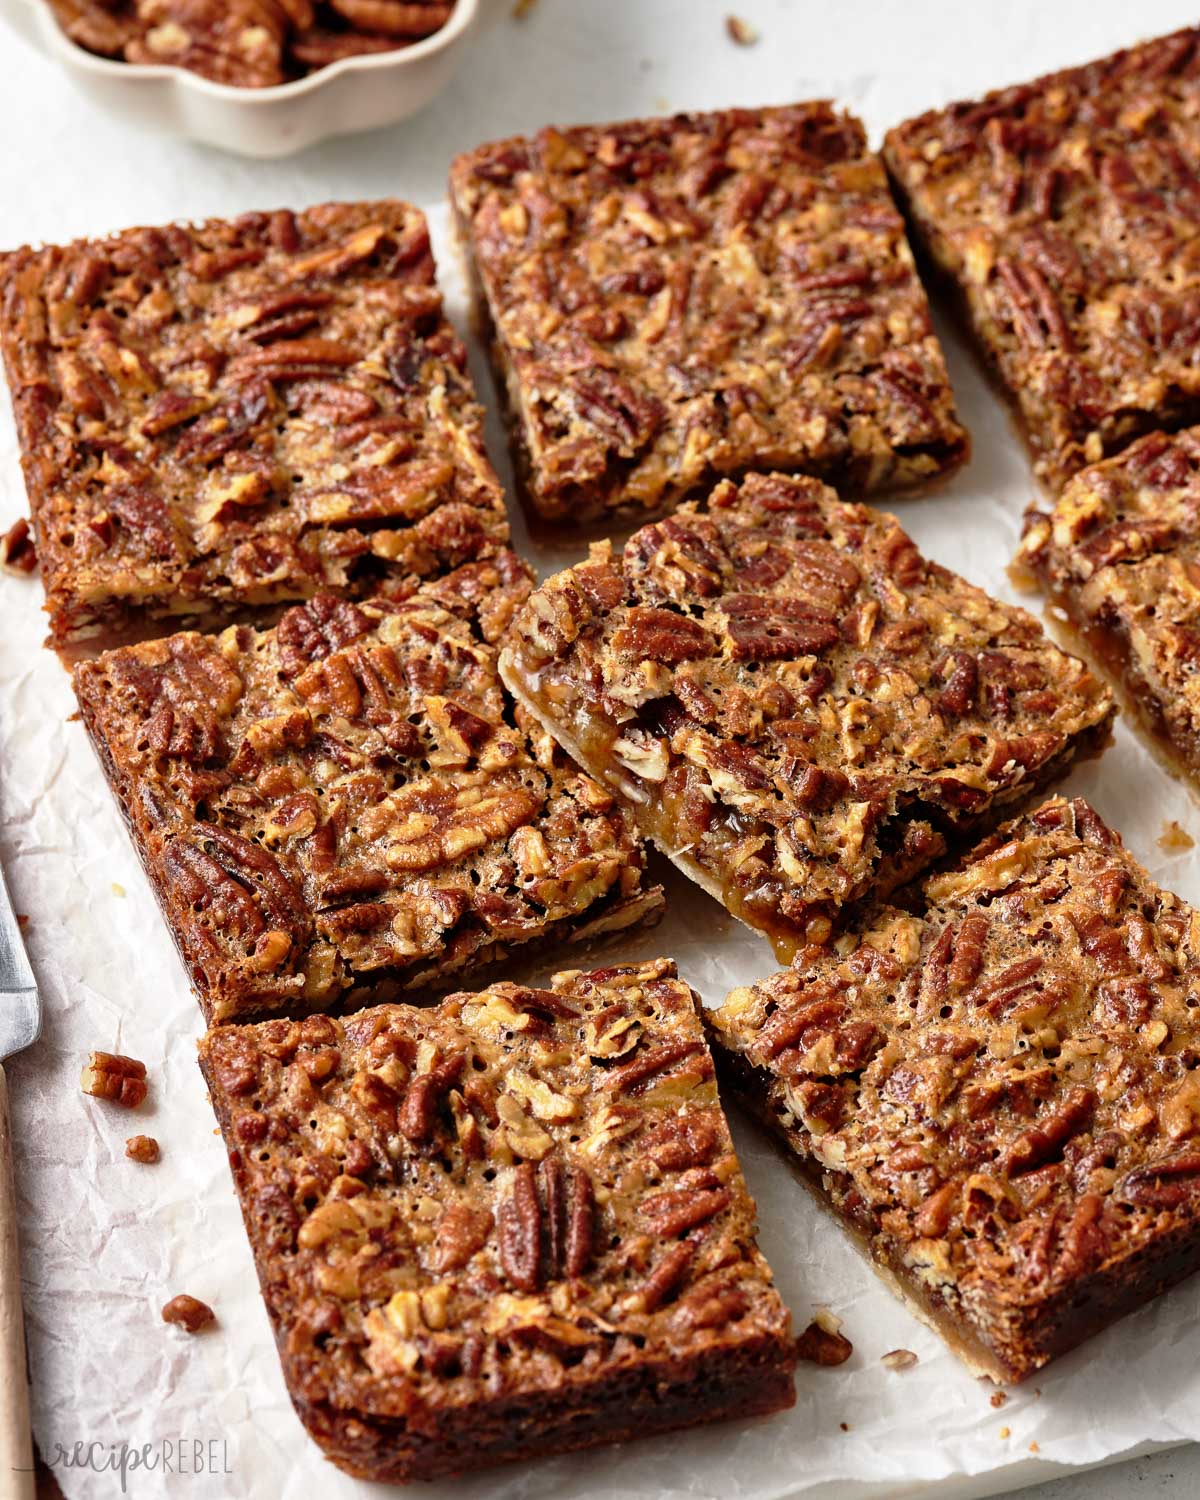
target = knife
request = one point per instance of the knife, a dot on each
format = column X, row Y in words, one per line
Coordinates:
column 20, row 1022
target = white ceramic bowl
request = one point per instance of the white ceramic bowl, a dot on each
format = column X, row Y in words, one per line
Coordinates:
column 360, row 93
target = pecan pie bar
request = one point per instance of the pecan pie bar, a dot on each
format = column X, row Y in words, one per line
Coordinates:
column 1066, row 213
column 670, row 301
column 1120, row 553
column 504, row 1227
column 797, row 706
column 241, row 413
column 345, row 806
column 998, row 1094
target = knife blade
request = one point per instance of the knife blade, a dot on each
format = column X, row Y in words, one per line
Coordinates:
column 20, row 1006
column 20, row 1023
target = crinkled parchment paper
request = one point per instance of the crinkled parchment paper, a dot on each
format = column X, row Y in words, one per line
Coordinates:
column 106, row 1241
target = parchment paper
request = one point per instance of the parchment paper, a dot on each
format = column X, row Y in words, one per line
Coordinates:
column 106, row 1241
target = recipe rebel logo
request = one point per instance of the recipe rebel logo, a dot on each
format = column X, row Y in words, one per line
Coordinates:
column 175, row 1456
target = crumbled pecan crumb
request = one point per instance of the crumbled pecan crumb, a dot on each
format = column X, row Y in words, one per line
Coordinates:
column 188, row 1313
column 822, row 1344
column 998, row 1398
column 17, row 551
column 898, row 1359
column 1174, row 838
column 741, row 31
column 108, row 1075
column 143, row 1148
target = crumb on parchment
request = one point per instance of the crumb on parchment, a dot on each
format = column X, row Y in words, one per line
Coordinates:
column 741, row 31
column 1175, row 839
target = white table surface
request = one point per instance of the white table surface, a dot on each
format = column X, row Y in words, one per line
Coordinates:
column 65, row 172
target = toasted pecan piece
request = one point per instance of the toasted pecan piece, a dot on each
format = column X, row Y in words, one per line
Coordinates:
column 188, row 1313
column 112, row 1076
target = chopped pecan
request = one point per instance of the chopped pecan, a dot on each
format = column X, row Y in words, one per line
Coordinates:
column 418, row 1113
column 188, row 1313
column 570, row 1216
column 768, row 628
column 143, row 1148
column 310, row 632
column 647, row 1064
column 520, row 1225
column 667, row 1276
column 1169, row 1183
column 462, row 1230
column 686, row 1141
column 111, row 1076
column 17, row 551
column 966, row 964
column 678, row 1209
column 662, row 635
column 823, row 1343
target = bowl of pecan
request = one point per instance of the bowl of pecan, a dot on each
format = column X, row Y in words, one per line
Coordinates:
column 258, row 77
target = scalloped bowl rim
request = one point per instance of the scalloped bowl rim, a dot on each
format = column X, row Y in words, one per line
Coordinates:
column 73, row 55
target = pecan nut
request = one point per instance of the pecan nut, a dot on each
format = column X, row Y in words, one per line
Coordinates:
column 109, row 1075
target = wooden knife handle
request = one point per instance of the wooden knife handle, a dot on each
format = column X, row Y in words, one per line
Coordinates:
column 16, row 1442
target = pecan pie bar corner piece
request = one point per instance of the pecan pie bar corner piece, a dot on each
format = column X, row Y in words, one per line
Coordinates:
column 797, row 706
column 996, row 1093
column 1066, row 215
column 1119, row 553
column 670, row 301
column 241, row 413
column 345, row 807
column 503, row 1227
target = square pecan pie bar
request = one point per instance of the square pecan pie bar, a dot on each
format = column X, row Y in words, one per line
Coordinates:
column 797, row 706
column 1066, row 213
column 1120, row 553
column 503, row 1227
column 674, row 300
column 997, row 1091
column 345, row 806
column 241, row 413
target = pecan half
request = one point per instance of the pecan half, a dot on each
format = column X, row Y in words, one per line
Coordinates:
column 109, row 1075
